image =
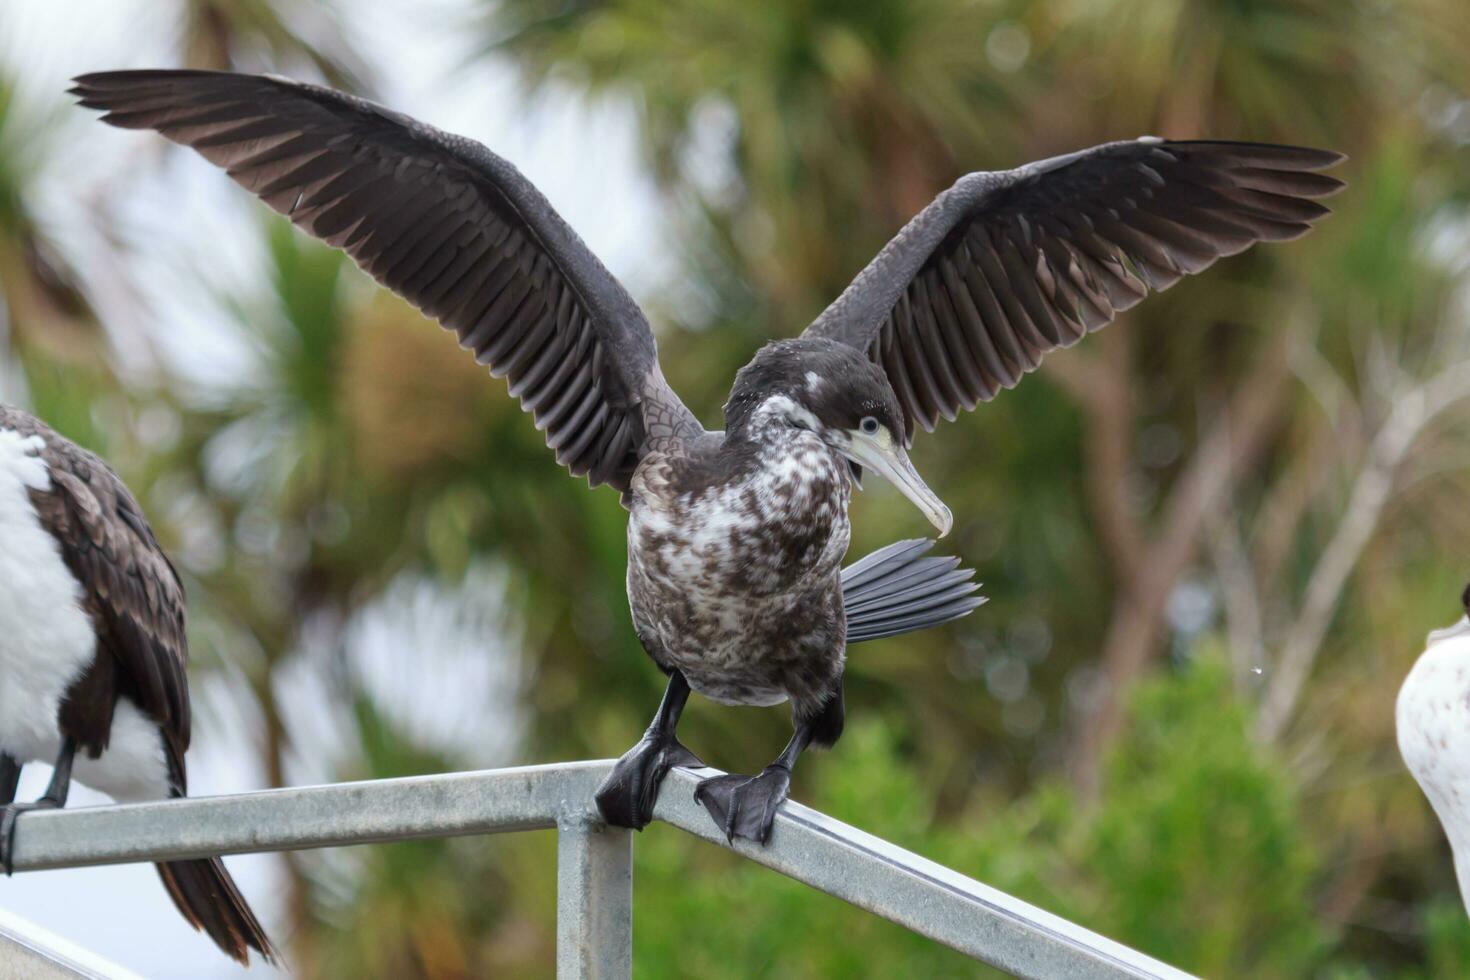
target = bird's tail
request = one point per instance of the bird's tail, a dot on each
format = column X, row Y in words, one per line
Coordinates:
column 206, row 896
column 897, row 590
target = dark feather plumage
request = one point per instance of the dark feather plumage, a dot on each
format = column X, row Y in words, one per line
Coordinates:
column 897, row 590
column 736, row 537
column 131, row 591
column 208, row 899
column 135, row 600
column 1004, row 267
column 446, row 224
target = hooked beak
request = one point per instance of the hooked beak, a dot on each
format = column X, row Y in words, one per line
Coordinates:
column 884, row 456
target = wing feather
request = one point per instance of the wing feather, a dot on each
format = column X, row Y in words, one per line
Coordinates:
column 128, row 587
column 448, row 225
column 1004, row 267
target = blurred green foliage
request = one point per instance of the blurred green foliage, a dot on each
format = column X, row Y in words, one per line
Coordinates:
column 1199, row 852
column 359, row 447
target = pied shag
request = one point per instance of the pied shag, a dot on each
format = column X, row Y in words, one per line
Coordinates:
column 1432, row 721
column 93, row 657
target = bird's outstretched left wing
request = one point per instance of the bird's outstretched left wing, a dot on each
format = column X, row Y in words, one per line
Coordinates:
column 1004, row 267
column 448, row 225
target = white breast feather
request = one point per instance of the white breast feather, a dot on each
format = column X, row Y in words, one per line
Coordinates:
column 699, row 531
column 1433, row 723
column 47, row 641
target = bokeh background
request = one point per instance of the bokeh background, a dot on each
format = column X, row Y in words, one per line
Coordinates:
column 1214, row 535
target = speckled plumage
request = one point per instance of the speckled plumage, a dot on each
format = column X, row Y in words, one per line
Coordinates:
column 735, row 541
column 736, row 582
column 735, row 537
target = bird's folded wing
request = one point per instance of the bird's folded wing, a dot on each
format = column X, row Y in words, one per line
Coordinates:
column 445, row 223
column 129, row 589
column 1004, row 267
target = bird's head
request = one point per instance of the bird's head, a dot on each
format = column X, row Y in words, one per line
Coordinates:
column 835, row 392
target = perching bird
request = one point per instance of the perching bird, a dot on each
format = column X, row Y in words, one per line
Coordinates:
column 1433, row 724
column 93, row 654
column 735, row 537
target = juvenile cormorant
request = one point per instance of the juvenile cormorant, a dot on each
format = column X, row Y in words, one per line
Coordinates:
column 93, row 654
column 735, row 537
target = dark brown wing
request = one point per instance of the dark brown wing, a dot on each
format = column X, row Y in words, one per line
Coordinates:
column 448, row 225
column 1004, row 267
column 129, row 589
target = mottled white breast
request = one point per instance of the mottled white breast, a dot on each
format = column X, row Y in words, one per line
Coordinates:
column 1433, row 724
column 798, row 488
column 711, row 572
column 47, row 641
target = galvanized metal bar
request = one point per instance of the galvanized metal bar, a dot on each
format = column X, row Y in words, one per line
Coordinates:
column 594, row 901
column 448, row 805
column 916, row 893
column 870, row 873
column 28, row 952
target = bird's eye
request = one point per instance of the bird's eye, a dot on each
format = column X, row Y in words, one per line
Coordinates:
column 869, row 425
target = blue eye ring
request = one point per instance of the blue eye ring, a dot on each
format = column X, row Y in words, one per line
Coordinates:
column 869, row 425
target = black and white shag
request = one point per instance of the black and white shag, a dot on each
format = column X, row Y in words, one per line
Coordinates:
column 93, row 656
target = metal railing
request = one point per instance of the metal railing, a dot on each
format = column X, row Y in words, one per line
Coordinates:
column 28, row 952
column 594, row 861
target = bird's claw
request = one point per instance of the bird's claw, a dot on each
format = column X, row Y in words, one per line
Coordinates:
column 627, row 796
column 9, row 814
column 745, row 806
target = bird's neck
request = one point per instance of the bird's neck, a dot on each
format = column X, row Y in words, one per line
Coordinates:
column 770, row 417
column 781, row 462
column 771, row 440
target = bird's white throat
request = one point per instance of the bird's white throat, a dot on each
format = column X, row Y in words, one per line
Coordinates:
column 1462, row 628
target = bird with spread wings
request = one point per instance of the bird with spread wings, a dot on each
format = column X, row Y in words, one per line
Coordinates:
column 734, row 529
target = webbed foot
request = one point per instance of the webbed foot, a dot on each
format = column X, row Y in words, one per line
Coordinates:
column 745, row 806
column 9, row 814
column 626, row 797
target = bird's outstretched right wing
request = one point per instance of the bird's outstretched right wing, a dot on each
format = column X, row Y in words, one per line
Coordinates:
column 448, row 225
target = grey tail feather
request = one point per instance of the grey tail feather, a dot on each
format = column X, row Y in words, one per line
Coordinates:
column 897, row 590
column 207, row 897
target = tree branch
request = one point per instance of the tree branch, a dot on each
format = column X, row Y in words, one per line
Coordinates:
column 1232, row 445
column 1409, row 418
column 1102, row 385
column 1244, row 624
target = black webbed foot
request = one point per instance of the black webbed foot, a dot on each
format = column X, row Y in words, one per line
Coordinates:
column 9, row 814
column 745, row 806
column 626, row 797
column 9, row 778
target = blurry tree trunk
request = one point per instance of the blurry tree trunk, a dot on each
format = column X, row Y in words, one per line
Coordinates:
column 1148, row 562
column 1412, row 413
column 1245, row 626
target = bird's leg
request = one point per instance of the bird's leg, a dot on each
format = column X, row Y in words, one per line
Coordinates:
column 9, row 778
column 745, row 806
column 54, row 799
column 626, row 797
